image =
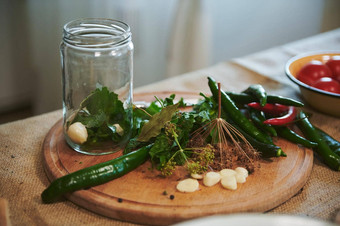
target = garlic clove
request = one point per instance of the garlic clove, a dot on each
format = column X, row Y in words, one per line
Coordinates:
column 240, row 178
column 243, row 171
column 229, row 182
column 77, row 133
column 188, row 185
column 227, row 172
column 211, row 178
column 196, row 176
column 119, row 129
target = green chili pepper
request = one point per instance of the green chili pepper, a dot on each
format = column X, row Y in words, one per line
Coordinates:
column 266, row 150
column 243, row 98
column 257, row 91
column 95, row 175
column 290, row 135
column 323, row 150
column 235, row 114
column 331, row 142
column 258, row 118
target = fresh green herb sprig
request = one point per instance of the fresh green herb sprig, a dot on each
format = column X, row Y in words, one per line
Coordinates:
column 169, row 131
column 103, row 113
column 196, row 160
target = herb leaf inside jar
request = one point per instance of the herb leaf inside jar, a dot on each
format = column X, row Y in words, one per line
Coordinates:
column 104, row 116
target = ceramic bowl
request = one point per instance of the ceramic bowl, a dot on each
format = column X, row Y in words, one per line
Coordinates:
column 325, row 102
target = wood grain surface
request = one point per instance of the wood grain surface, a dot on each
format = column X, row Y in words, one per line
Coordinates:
column 138, row 196
column 4, row 213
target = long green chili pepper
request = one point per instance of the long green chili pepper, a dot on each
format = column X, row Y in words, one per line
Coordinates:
column 331, row 142
column 258, row 118
column 257, row 91
column 266, row 150
column 235, row 114
column 95, row 175
column 290, row 135
column 323, row 150
column 243, row 98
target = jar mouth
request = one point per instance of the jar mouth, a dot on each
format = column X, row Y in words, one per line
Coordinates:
column 96, row 33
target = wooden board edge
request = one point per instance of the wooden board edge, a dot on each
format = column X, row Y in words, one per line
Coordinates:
column 48, row 154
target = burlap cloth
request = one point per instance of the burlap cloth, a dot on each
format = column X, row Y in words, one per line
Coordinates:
column 21, row 167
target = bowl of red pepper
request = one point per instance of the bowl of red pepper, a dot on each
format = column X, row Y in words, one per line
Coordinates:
column 318, row 76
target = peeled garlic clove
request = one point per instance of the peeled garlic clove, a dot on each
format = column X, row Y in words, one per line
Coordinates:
column 119, row 129
column 77, row 133
column 188, row 185
column 196, row 176
column 242, row 171
column 211, row 178
column 229, row 182
column 227, row 172
column 240, row 178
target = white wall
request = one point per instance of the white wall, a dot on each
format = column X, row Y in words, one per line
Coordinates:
column 16, row 77
column 31, row 33
column 250, row 26
column 149, row 24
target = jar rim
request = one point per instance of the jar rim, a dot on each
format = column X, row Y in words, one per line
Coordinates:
column 96, row 33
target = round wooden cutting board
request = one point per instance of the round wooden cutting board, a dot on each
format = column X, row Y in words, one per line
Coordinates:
column 143, row 196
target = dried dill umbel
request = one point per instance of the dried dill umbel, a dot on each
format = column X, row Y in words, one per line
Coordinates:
column 232, row 148
column 195, row 159
column 232, row 156
column 201, row 159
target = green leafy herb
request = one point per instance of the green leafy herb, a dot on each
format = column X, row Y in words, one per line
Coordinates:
column 161, row 150
column 104, row 116
column 196, row 160
column 169, row 131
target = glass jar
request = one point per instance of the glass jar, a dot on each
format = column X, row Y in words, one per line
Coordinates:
column 97, row 73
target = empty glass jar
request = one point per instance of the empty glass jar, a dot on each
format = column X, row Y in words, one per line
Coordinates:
column 97, row 72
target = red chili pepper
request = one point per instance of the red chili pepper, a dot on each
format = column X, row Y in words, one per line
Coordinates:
column 283, row 120
column 273, row 109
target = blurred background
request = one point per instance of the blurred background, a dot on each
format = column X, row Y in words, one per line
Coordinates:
column 170, row 37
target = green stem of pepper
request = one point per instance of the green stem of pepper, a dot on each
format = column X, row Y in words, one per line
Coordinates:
column 257, row 91
column 95, row 175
